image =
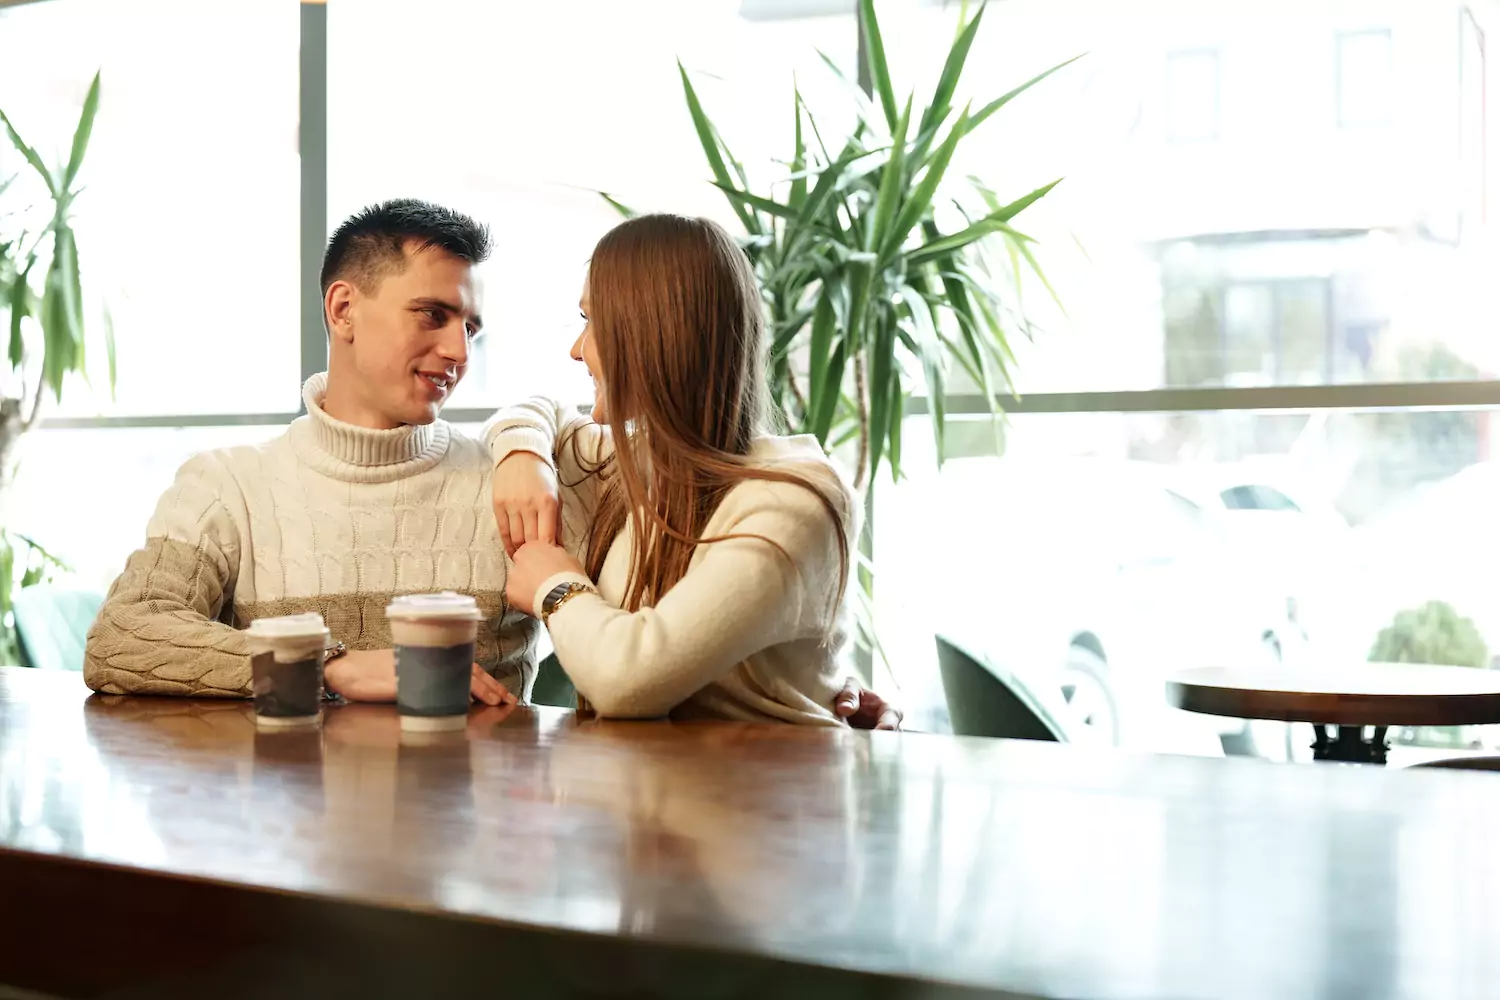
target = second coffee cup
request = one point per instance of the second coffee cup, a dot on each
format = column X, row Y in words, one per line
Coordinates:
column 434, row 636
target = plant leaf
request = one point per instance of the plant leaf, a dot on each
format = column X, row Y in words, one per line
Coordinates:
column 20, row 307
column 799, row 155
column 983, row 113
column 942, row 96
column 757, row 202
column 928, row 350
column 109, row 349
column 709, row 140
column 66, row 241
column 880, row 71
column 898, row 415
column 1019, row 246
column 819, row 351
column 30, row 155
column 948, row 244
column 81, row 135
column 59, row 345
column 892, row 183
column 828, row 394
column 921, row 199
column 625, row 210
column 7, row 574
column 881, row 375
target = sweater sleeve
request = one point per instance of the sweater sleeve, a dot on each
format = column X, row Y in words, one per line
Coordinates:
column 740, row 596
column 158, row 630
column 577, row 448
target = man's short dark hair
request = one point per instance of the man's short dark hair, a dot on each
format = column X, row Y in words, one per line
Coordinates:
column 371, row 244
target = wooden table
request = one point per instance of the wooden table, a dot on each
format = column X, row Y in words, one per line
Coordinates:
column 1379, row 695
column 168, row 848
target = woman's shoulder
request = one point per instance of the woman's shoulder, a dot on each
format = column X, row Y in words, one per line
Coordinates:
column 803, row 457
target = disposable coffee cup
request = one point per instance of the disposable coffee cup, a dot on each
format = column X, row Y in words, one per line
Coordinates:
column 286, row 669
column 434, row 637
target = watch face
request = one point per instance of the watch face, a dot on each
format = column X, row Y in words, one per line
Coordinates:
column 553, row 596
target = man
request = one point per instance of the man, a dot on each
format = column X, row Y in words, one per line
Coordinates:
column 367, row 496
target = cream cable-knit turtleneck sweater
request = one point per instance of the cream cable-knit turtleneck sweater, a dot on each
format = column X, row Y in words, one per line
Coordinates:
column 327, row 517
column 754, row 631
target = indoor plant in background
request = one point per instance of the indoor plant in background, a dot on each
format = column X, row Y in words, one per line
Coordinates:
column 879, row 270
column 41, row 300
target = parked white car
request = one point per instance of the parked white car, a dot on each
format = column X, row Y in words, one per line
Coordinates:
column 1097, row 579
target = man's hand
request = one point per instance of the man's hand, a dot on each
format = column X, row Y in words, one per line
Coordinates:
column 864, row 709
column 370, row 675
column 486, row 689
column 534, row 564
column 524, row 492
column 363, row 675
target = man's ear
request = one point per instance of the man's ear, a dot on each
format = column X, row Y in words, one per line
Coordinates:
column 338, row 310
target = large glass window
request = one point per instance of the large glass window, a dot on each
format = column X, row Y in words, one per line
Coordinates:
column 187, row 227
column 1125, row 546
column 1291, row 250
column 539, row 106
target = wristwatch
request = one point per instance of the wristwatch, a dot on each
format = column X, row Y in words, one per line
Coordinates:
column 329, row 655
column 560, row 595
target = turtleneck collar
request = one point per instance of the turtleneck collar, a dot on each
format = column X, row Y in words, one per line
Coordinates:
column 359, row 454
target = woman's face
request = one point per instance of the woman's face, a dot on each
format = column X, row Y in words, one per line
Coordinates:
column 585, row 350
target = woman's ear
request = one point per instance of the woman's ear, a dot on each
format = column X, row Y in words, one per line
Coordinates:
column 338, row 310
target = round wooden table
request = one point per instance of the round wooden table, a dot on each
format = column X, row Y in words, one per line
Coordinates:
column 1349, row 698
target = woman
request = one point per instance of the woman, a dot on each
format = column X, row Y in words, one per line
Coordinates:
column 722, row 553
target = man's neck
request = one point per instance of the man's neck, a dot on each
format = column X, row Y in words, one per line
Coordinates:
column 345, row 407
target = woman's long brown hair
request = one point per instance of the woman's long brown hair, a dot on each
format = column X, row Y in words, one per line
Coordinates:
column 675, row 314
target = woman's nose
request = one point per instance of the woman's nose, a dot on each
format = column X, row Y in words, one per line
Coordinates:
column 576, row 351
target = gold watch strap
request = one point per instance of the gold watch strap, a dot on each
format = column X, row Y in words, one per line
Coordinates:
column 572, row 591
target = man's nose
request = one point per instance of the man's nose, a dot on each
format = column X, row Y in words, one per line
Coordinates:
column 454, row 344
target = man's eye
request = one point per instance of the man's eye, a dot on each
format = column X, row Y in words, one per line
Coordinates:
column 436, row 315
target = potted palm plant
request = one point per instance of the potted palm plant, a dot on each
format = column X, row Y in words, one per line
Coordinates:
column 872, row 286
column 41, row 298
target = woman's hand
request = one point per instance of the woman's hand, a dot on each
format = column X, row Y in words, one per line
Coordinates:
column 370, row 675
column 533, row 565
column 864, row 709
column 524, row 491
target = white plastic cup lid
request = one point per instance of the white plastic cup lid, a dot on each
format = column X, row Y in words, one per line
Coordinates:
column 447, row 606
column 289, row 626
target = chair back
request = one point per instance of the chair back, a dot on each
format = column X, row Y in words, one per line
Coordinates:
column 984, row 700
column 52, row 623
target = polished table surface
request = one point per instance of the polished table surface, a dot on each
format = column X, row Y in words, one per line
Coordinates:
column 1360, row 694
column 873, row 864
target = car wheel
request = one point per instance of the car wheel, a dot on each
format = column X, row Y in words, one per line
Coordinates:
column 1093, row 715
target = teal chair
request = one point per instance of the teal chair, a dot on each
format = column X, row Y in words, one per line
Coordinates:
column 553, row 686
column 52, row 623
column 985, row 700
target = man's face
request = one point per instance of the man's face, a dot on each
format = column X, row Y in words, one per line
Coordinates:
column 409, row 336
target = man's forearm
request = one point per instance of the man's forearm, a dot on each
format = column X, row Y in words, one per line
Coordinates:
column 157, row 633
